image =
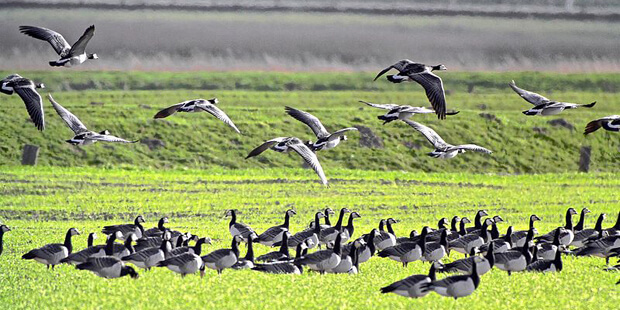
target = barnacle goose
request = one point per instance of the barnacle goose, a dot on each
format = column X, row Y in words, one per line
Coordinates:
column 400, row 112
column 108, row 267
column 70, row 55
column 455, row 286
column 247, row 262
column 513, row 260
column 3, row 229
column 444, row 150
column 281, row 254
column 547, row 265
column 582, row 219
column 27, row 90
column 542, row 105
column 328, row 235
column 484, row 264
column 411, row 286
column 125, row 229
column 150, row 257
column 184, row 264
column 324, row 260
column 464, row 244
column 289, row 267
column 609, row 123
column 223, row 258
column 275, row 233
column 196, row 249
column 198, row 105
column 310, row 233
column 93, row 251
column 385, row 239
column 567, row 234
column 325, row 140
column 581, row 237
column 239, row 229
column 518, row 237
column 407, row 252
column 51, row 254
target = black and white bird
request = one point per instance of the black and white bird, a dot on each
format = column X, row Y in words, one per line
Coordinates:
column 108, row 267
column 274, row 234
column 239, row 229
column 614, row 230
column 196, row 249
column 281, row 254
column 444, row 150
column 401, row 112
column 584, row 235
column 477, row 221
column 325, row 140
column 83, row 136
column 223, row 258
column 547, row 251
column 609, row 123
column 288, row 267
column 547, row 265
column 150, row 257
column 513, row 260
column 385, row 239
column 349, row 259
column 198, row 105
column 567, row 235
column 366, row 251
column 27, row 90
column 456, row 286
column 542, row 105
column 519, row 237
column 136, row 228
column 99, row 250
column 328, row 235
column 582, row 220
column 246, row 262
column 435, row 251
column 51, row 254
column 311, row 234
column 159, row 230
column 3, row 229
column 287, row 144
column 603, row 247
column 484, row 264
column 407, row 252
column 412, row 286
column 423, row 75
column 475, row 239
column 184, row 264
column 70, row 55
column 324, row 260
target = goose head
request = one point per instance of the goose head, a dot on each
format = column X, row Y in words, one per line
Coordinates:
column 585, row 211
column 571, row 211
column 359, row 243
column 139, row 219
column 343, row 138
column 329, row 211
column 206, row 240
column 92, row 56
column 164, row 220
column 498, row 219
column 230, row 212
column 465, row 220
column 4, row 228
column 482, row 213
column 104, row 132
column 73, row 232
column 355, row 215
column 213, row 100
column 391, row 221
column 131, row 272
column 439, row 67
column 40, row 85
column 320, row 215
column 413, row 234
column 534, row 218
column 291, row 212
column 442, row 222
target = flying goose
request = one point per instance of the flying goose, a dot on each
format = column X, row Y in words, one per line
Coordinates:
column 93, row 251
column 289, row 267
column 542, row 105
column 126, row 229
column 407, row 252
column 455, row 286
column 464, row 244
column 581, row 237
column 401, row 112
column 567, row 234
column 184, row 264
column 582, row 220
column 547, row 265
column 411, row 286
column 150, row 257
column 444, row 150
column 223, row 258
column 83, row 136
column 239, row 229
column 484, row 264
column 519, row 237
column 3, row 229
column 385, row 239
column 198, row 105
column 324, row 260
column 196, row 249
column 614, row 230
column 27, row 90
column 247, row 262
column 328, row 235
column 285, row 145
column 70, row 55
column 310, row 233
column 108, row 267
column 51, row 254
column 281, row 254
column 513, row 260
column 348, row 260
column 609, row 123
column 274, row 234
column 423, row 75
column 325, row 140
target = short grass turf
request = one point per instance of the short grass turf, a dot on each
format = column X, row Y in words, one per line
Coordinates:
column 40, row 204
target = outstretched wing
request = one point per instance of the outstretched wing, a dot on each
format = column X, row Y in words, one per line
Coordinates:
column 529, row 96
column 169, row 110
column 217, row 112
column 433, row 85
column 79, row 46
column 428, row 133
column 473, row 147
column 611, row 123
column 310, row 120
column 58, row 42
column 339, row 133
column 71, row 120
column 310, row 157
column 109, row 138
column 380, row 106
column 34, row 104
column 263, row 147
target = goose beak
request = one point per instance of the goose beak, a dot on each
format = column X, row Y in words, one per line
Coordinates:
column 383, row 72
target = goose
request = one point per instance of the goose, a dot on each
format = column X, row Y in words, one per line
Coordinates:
column 542, row 105
column 401, row 112
column 567, row 234
column 159, row 230
column 435, row 235
column 464, row 244
column 411, row 286
column 518, row 237
column 494, row 230
column 327, row 236
column 83, row 136
column 582, row 219
column 70, row 55
column 349, row 229
column 603, row 247
column 150, row 257
column 152, row 242
column 239, row 229
column 455, row 286
column 462, row 229
column 547, row 251
column 3, row 229
column 122, row 250
column 423, row 75
column 582, row 237
column 477, row 221
column 367, row 250
column 108, row 267
column 324, row 260
column 413, row 234
column 385, row 239
column 136, row 228
column 289, row 267
column 435, row 251
column 547, row 265
column 223, row 258
column 325, row 140
column 91, row 239
column 347, row 260
column 275, row 233
column 198, row 105
column 513, row 260
column 51, row 254
column 501, row 244
column 407, row 252
column 609, row 123
column 614, row 230
column 444, row 150
column 93, row 251
column 311, row 233
column 484, row 264
column 285, row 145
column 328, row 224
column 196, row 249
column 281, row 254
column 27, row 90
column 184, row 264
column 355, row 256
column 247, row 262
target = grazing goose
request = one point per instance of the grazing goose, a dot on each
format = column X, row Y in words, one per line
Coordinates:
column 27, row 90
column 196, row 249
column 325, row 140
column 385, row 239
column 401, row 112
column 285, row 145
column 223, row 258
column 184, row 264
column 513, row 260
column 367, row 250
column 328, row 235
column 423, row 75
column 311, row 233
column 324, row 260
column 407, row 252
column 464, row 244
column 444, row 150
column 456, row 286
column 411, row 286
column 349, row 229
column 501, row 244
column 567, row 234
column 348, row 260
column 275, row 233
column 435, row 251
column 93, row 251
column 126, row 229
column 518, row 237
column 281, row 254
column 3, row 229
column 83, row 136
column 484, row 264
column 239, row 229
column 290, row 267
column 547, row 251
column 159, row 230
column 581, row 237
column 547, row 265
column 603, row 247
column 247, row 262
column 477, row 221
column 582, row 220
column 51, row 254
column 70, row 55
column 614, row 230
column 150, row 257
column 542, row 105
column 108, row 267
column 609, row 123
column 198, row 105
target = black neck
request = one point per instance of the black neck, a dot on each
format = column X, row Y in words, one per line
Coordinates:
column 531, row 222
column 422, row 240
column 477, row 222
column 350, row 227
column 508, row 236
column 91, row 239
column 389, row 228
column 286, row 221
column 109, row 246
column 198, row 246
column 317, row 224
column 483, row 231
column 355, row 257
column 526, row 252
column 441, row 224
column 235, row 247
column 582, row 219
column 569, row 221
column 249, row 255
column 453, row 225
column 298, row 251
column 431, row 272
column 599, row 223
column 1, row 243
column 327, row 221
column 337, row 245
column 490, row 256
column 558, row 260
column 160, row 225
column 617, row 226
column 556, row 238
column 462, row 230
column 233, row 218
column 494, row 231
column 164, row 247
column 381, row 223
column 528, row 237
column 68, row 244
column 179, row 242
column 340, row 218
column 474, row 275
column 444, row 238
column 139, row 225
column 370, row 243
column 128, row 245
column 284, row 246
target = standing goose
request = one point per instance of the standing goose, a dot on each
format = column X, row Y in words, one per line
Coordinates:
column 444, row 150
column 311, row 233
column 484, row 264
column 456, row 286
column 413, row 235
column 366, row 251
column 324, row 260
column 501, row 244
column 513, row 260
column 581, row 237
column 93, row 251
column 519, row 237
column 247, row 262
column 604, row 247
column 348, row 260
column 609, row 123
column 411, row 286
column 198, row 105
column 281, row 254
column 465, row 243
column 27, row 90
column 547, row 265
column 494, row 230
column 3, row 229
column 274, row 234
column 150, row 257
column 83, row 136
column 582, row 220
column 70, row 55
column 435, row 235
column 407, row 252
column 223, row 258
column 51, row 254
column 614, row 230
column 152, row 242
column 239, row 229
column 126, row 229
column 567, row 234
column 423, row 75
column 542, row 105
column 401, row 112
column 325, row 140
column 385, row 239
column 547, row 251
column 477, row 221
column 285, row 145
column 328, row 235
column 108, row 267
column 435, row 251
column 159, row 230
column 462, row 229
column 184, row 264
column 290, row 267
column 122, row 250
column 196, row 249
column 349, row 229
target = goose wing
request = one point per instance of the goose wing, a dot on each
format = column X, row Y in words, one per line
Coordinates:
column 266, row 145
column 109, row 138
column 178, row 260
column 428, row 133
column 123, row 228
column 507, row 256
column 79, row 46
column 143, row 255
column 58, row 42
column 48, row 251
column 99, row 263
column 34, row 104
column 310, row 120
column 216, row 255
column 71, row 120
column 217, row 112
column 381, row 106
column 169, row 110
column 529, row 96
column 341, row 132
column 271, row 233
column 446, row 282
column 433, row 85
column 279, row 268
column 310, row 158
column 604, row 121
column 316, row 257
column 473, row 147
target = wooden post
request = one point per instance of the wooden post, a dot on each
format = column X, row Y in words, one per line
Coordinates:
column 30, row 155
column 584, row 159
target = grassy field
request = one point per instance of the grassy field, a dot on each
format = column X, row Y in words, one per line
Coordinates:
column 39, row 204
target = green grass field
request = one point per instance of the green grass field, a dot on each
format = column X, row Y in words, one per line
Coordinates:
column 39, row 204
